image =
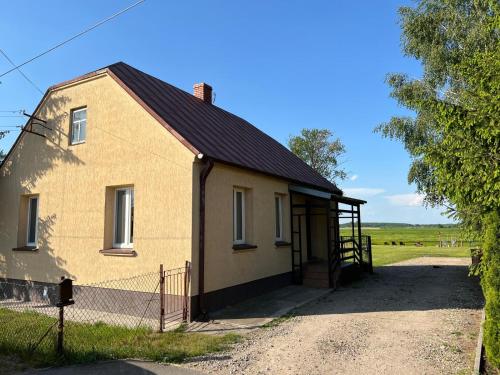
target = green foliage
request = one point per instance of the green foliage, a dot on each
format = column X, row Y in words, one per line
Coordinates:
column 317, row 148
column 277, row 321
column 85, row 342
column 491, row 288
column 454, row 139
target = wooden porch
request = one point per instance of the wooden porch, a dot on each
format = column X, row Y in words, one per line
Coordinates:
column 321, row 257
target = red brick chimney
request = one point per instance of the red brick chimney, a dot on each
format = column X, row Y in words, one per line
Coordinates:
column 203, row 91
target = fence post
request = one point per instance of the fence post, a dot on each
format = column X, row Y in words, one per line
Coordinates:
column 65, row 298
column 186, row 287
column 162, row 298
column 60, row 331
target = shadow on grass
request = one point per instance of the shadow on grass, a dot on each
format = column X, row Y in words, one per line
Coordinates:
column 84, row 343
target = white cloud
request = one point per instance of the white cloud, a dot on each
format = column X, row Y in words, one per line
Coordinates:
column 406, row 200
column 354, row 177
column 362, row 192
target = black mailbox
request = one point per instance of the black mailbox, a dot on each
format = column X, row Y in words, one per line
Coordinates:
column 65, row 293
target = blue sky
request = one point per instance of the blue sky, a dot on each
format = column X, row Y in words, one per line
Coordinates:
column 282, row 65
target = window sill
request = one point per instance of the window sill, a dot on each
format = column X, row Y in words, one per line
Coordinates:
column 119, row 252
column 77, row 143
column 282, row 244
column 25, row 248
column 244, row 246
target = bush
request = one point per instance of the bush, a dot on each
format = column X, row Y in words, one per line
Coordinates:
column 490, row 282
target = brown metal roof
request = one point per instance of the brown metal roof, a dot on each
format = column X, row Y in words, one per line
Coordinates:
column 215, row 132
column 207, row 129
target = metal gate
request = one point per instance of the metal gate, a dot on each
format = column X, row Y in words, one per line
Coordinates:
column 174, row 295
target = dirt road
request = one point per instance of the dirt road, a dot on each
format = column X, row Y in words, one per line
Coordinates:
column 415, row 317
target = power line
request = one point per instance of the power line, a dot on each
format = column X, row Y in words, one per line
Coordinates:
column 74, row 37
column 20, row 71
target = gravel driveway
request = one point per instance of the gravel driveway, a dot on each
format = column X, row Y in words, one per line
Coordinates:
column 420, row 316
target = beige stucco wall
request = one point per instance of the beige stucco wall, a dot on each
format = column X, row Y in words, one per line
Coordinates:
column 124, row 146
column 224, row 266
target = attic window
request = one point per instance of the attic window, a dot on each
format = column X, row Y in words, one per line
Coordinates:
column 78, row 126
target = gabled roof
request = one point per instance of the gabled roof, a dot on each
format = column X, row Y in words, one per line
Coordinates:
column 215, row 132
column 207, row 129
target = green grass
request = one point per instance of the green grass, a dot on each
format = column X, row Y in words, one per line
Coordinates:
column 383, row 255
column 92, row 342
column 429, row 236
column 277, row 321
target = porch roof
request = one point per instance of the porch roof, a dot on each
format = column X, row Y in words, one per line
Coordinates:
column 347, row 200
column 324, row 195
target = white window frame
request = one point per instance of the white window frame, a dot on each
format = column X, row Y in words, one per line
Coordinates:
column 280, row 217
column 28, row 243
column 127, row 212
column 235, row 223
column 78, row 122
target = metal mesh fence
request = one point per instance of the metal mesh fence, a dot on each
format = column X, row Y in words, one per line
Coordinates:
column 28, row 316
column 103, row 311
column 130, row 302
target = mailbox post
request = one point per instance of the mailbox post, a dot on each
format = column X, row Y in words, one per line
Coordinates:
column 65, row 298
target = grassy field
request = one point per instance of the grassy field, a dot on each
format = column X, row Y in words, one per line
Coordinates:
column 91, row 342
column 383, row 255
column 429, row 237
column 411, row 235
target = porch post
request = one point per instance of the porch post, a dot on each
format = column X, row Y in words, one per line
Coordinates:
column 308, row 231
column 329, row 245
column 359, row 236
column 352, row 223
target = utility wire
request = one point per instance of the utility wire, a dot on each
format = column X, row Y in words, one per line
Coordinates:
column 20, row 71
column 73, row 37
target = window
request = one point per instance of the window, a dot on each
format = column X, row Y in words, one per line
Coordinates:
column 78, row 126
column 124, row 218
column 239, row 216
column 32, row 223
column 278, row 206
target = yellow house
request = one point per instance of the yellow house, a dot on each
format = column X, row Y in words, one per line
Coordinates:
column 117, row 172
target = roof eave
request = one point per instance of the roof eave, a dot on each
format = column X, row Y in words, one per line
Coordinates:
column 291, row 180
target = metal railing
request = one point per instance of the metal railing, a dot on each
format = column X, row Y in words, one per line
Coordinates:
column 350, row 250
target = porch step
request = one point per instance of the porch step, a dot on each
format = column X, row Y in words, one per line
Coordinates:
column 316, row 275
column 320, row 267
column 316, row 283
